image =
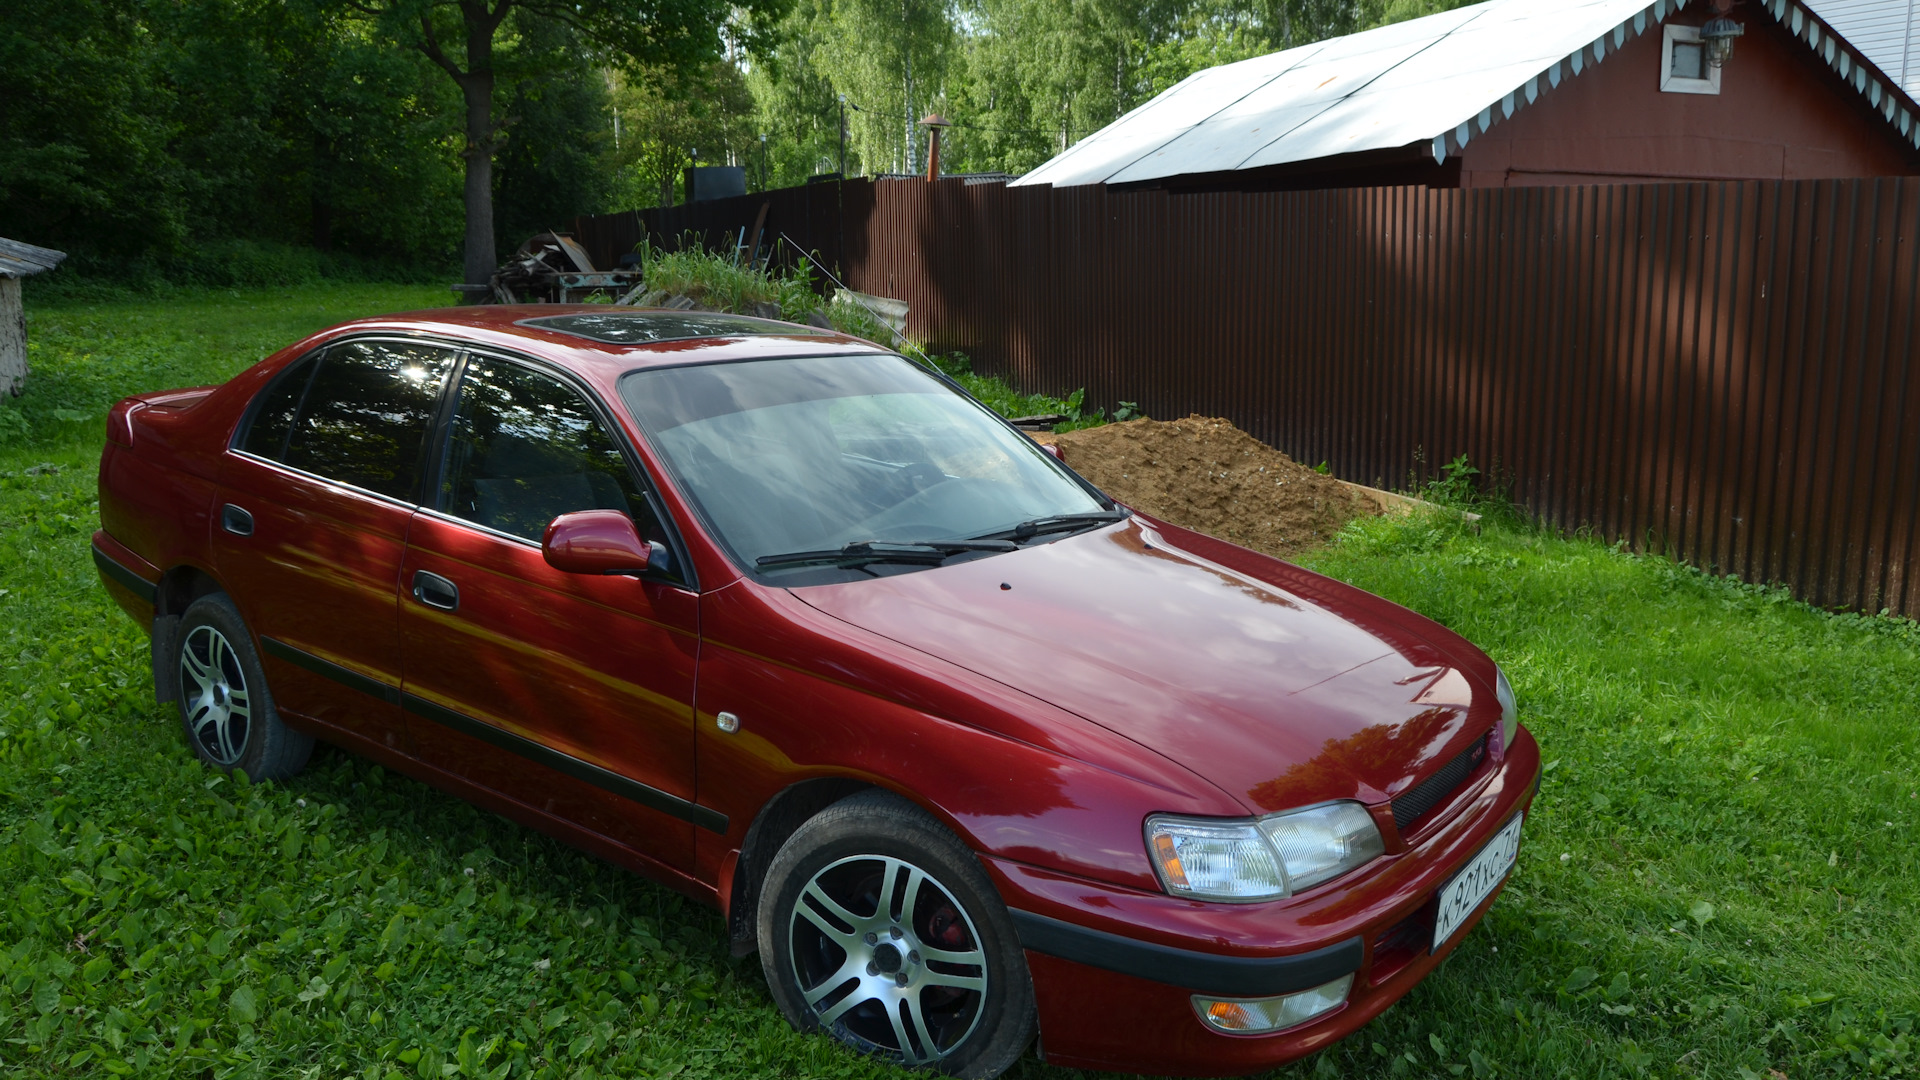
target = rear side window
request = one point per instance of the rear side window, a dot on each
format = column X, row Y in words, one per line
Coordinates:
column 525, row 448
column 273, row 418
column 361, row 417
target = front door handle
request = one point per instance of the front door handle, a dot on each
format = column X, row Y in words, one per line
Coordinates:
column 435, row 591
column 236, row 521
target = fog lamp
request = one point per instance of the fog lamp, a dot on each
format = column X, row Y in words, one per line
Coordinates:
column 1257, row 1016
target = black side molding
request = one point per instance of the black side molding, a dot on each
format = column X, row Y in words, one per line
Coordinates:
column 606, row 780
column 327, row 668
column 1207, row 973
column 651, row 797
column 124, row 576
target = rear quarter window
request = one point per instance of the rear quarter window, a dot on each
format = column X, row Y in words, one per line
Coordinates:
column 266, row 434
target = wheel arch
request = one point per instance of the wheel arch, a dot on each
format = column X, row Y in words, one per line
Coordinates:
column 178, row 588
column 782, row 815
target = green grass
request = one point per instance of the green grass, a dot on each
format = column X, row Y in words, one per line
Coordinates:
column 1733, row 784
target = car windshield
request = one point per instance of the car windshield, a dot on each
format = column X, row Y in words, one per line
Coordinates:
column 832, row 468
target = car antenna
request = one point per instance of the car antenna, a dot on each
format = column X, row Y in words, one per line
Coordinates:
column 904, row 340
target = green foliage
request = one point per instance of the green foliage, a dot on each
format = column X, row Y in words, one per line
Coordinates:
column 716, row 281
column 84, row 357
column 796, row 102
column 668, row 113
column 1455, row 486
column 1021, row 79
column 148, row 137
column 559, row 154
column 221, row 264
column 890, row 58
column 996, row 394
column 1374, row 13
column 139, row 129
column 84, row 132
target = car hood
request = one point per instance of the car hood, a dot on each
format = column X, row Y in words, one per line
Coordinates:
column 1284, row 689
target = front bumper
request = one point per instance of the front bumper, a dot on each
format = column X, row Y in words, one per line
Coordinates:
column 1114, row 969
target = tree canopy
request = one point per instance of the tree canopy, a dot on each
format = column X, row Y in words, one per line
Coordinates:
column 141, row 128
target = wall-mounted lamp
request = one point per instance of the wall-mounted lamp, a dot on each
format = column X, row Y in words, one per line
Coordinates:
column 1717, row 36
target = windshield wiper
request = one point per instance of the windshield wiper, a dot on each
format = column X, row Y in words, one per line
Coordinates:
column 928, row 552
column 1027, row 530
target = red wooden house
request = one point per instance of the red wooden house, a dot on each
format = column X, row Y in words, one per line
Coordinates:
column 1520, row 93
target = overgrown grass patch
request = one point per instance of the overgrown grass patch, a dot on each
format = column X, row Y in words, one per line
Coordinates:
column 1733, row 785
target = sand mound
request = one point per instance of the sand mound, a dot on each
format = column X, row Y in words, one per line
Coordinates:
column 1207, row 475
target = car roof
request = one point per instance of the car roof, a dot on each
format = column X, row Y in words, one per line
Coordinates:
column 556, row 333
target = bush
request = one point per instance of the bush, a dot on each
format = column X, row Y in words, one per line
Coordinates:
column 86, row 277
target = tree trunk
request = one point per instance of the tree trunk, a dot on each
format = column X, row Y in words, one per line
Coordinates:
column 481, row 256
column 477, row 87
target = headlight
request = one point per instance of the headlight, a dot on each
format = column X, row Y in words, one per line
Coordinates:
column 1214, row 860
column 1509, row 712
column 1273, row 857
column 1323, row 842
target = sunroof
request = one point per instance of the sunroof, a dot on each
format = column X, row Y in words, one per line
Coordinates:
column 646, row 327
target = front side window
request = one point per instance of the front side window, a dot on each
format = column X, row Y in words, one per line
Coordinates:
column 360, row 417
column 815, row 453
column 524, row 448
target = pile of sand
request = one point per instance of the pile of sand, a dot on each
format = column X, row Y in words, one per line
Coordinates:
column 1207, row 475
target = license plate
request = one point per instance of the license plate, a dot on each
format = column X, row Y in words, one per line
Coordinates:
column 1483, row 873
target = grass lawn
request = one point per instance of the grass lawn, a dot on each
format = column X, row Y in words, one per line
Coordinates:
column 1719, row 878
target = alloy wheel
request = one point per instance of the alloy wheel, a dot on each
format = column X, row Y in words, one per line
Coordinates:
column 219, row 712
column 888, row 959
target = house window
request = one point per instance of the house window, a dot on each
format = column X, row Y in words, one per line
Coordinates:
column 1683, row 63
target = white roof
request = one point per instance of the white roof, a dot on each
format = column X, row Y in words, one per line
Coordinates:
column 1887, row 31
column 1434, row 82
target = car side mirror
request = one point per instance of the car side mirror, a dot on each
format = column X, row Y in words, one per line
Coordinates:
column 1053, row 450
column 595, row 542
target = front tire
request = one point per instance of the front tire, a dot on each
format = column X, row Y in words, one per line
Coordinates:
column 225, row 707
column 879, row 926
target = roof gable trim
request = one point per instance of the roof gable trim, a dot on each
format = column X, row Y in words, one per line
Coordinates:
column 1456, row 140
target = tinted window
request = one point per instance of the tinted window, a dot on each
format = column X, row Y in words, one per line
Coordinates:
column 366, row 415
column 273, row 417
column 524, row 449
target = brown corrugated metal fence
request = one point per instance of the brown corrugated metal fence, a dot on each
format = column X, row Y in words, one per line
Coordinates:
column 1722, row 372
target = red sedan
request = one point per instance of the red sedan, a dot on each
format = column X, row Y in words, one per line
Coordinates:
column 967, row 751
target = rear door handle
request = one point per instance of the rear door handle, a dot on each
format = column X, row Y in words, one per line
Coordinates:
column 236, row 521
column 435, row 591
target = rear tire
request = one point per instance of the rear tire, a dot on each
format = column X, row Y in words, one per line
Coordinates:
column 225, row 707
column 879, row 926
